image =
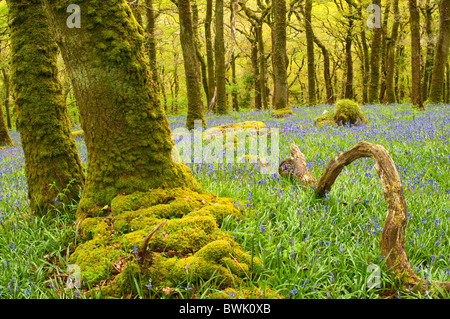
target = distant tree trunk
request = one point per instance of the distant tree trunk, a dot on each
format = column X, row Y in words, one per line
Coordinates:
column 220, row 71
column 416, row 96
column 50, row 152
column 7, row 94
column 127, row 133
column 234, row 93
column 202, row 64
column 390, row 55
column 256, row 75
column 163, row 89
column 279, row 55
column 383, row 52
column 375, row 63
column 209, row 51
column 447, row 95
column 366, row 67
column 348, row 90
column 151, row 41
column 191, row 69
column 428, row 66
column 310, row 52
column 326, row 71
column 262, row 66
column 440, row 58
column 5, row 139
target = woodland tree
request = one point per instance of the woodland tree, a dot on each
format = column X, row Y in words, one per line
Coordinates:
column 440, row 58
column 127, row 134
column 52, row 164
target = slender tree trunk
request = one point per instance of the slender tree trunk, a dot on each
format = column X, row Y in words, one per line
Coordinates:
column 310, row 52
column 7, row 94
column 366, row 66
column 209, row 51
column 5, row 139
column 279, row 55
column 127, row 134
column 234, row 93
column 256, row 74
column 50, row 152
column 348, row 90
column 375, row 57
column 326, row 71
column 440, row 58
column 201, row 61
column 447, row 98
column 416, row 96
column 191, row 69
column 220, row 71
column 428, row 65
column 390, row 58
column 151, row 41
column 383, row 52
column 262, row 67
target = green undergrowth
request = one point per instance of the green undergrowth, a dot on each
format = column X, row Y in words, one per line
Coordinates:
column 189, row 248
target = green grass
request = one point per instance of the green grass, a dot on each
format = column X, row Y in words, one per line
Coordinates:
column 310, row 247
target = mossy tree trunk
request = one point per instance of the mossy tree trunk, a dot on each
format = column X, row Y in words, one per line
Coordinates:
column 5, row 139
column 441, row 54
column 151, row 40
column 127, row 134
column 390, row 55
column 414, row 21
column 280, row 99
column 209, row 51
column 191, row 67
column 348, row 89
column 310, row 53
column 427, row 12
column 6, row 81
column 219, row 54
column 255, row 66
column 50, row 152
column 375, row 57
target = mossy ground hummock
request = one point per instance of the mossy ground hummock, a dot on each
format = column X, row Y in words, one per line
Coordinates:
column 189, row 248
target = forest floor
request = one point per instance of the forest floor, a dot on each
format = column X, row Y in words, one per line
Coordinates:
column 309, row 247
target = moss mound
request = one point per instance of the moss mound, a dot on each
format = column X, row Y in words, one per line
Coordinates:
column 348, row 112
column 188, row 247
column 326, row 118
column 284, row 112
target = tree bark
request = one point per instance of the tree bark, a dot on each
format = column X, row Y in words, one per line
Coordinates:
column 191, row 66
column 127, row 134
column 390, row 55
column 348, row 89
column 209, row 51
column 7, row 94
column 151, row 41
column 5, row 139
column 310, row 52
column 416, row 96
column 279, row 55
column 220, row 71
column 375, row 57
column 441, row 54
column 50, row 152
column 428, row 65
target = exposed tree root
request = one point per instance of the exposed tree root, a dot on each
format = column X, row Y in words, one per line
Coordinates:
column 393, row 235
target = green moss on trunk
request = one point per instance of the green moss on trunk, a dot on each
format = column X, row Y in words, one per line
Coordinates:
column 50, row 152
column 127, row 134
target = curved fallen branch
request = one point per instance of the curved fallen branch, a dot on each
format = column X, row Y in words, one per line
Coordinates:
column 393, row 235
